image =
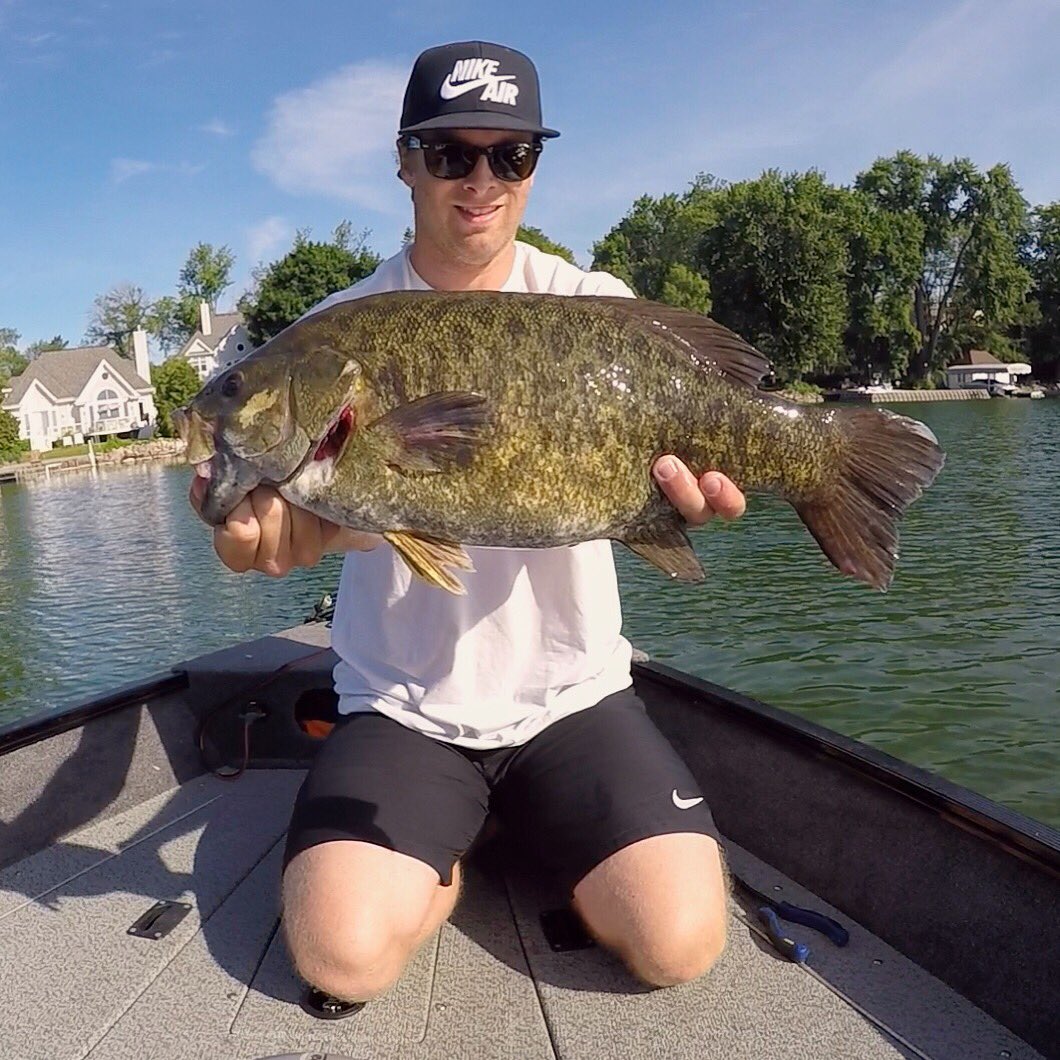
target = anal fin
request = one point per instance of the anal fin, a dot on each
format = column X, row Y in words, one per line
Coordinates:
column 431, row 557
column 669, row 549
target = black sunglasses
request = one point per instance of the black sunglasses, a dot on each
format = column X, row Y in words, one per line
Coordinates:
column 454, row 161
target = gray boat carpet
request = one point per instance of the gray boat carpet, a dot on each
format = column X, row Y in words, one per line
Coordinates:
column 74, row 984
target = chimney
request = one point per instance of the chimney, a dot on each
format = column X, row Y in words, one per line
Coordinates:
column 140, row 358
column 204, row 317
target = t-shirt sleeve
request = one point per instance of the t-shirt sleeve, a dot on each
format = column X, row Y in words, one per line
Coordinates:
column 603, row 283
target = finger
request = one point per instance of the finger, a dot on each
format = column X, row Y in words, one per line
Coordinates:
column 682, row 489
column 236, row 542
column 723, row 495
column 337, row 538
column 274, row 548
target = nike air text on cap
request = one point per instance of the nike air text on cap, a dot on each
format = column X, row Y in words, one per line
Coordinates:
column 473, row 85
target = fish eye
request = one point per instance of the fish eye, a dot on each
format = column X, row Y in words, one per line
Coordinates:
column 232, row 385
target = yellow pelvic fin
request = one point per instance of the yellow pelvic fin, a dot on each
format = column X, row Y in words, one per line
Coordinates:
column 430, row 558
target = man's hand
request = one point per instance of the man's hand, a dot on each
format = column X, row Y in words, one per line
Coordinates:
column 713, row 494
column 265, row 533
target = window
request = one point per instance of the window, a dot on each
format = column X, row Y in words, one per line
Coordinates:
column 107, row 405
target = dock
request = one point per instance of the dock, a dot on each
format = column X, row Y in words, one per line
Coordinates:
column 877, row 397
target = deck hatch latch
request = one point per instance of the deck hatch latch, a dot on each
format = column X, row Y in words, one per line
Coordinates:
column 159, row 920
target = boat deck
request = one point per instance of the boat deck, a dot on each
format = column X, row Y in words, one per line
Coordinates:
column 76, row 984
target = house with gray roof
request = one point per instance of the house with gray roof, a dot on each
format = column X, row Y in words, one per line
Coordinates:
column 980, row 368
column 85, row 392
column 221, row 340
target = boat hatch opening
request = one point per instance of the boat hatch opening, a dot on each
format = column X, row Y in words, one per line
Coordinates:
column 316, row 712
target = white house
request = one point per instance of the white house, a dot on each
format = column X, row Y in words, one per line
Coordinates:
column 983, row 367
column 88, row 391
column 220, row 341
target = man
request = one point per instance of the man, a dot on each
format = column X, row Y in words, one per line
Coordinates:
column 516, row 697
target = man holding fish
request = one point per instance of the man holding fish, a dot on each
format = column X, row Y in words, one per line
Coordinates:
column 511, row 692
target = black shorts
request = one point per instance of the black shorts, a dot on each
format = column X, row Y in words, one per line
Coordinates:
column 589, row 785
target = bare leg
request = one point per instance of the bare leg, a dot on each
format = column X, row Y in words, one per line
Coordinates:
column 354, row 913
column 661, row 905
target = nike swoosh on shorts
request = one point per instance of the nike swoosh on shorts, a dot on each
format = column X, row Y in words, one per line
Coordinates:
column 686, row 804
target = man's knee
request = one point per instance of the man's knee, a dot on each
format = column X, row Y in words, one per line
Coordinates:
column 684, row 953
column 357, row 964
column 353, row 915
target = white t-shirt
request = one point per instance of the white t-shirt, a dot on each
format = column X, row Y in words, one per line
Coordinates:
column 536, row 638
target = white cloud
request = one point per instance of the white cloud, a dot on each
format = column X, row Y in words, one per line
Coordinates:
column 336, row 136
column 121, row 169
column 266, row 236
column 217, row 127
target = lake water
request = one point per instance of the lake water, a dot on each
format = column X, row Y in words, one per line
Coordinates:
column 105, row 579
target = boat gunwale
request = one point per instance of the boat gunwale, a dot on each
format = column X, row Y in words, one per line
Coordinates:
column 1016, row 833
column 23, row 732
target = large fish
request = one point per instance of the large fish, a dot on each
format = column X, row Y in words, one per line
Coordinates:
column 521, row 420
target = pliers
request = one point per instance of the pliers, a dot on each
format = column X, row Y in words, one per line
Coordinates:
column 771, row 911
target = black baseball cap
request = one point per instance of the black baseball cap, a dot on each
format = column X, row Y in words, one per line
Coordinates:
column 473, row 85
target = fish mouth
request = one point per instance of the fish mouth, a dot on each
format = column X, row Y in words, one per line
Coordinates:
column 198, row 435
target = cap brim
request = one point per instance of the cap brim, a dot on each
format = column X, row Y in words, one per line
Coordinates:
column 478, row 120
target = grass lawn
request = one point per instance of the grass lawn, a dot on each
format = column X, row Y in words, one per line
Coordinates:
column 65, row 451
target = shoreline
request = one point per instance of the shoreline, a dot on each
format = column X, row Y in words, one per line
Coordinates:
column 157, row 449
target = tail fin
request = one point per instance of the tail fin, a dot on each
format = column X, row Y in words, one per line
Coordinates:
column 887, row 462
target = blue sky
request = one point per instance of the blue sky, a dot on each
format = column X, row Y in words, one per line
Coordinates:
column 132, row 129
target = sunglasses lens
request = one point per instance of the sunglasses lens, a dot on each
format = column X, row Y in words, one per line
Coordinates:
column 454, row 161
column 515, row 161
column 449, row 161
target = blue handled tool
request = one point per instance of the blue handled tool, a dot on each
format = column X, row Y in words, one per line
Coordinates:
column 771, row 911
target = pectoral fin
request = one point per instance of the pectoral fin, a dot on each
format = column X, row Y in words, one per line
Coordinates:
column 669, row 549
column 429, row 557
column 438, row 432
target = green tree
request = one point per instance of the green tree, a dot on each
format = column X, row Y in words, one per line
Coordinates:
column 206, row 273
column 304, row 276
column 659, row 234
column 972, row 284
column 536, row 238
column 686, row 289
column 35, row 349
column 884, row 250
column 172, row 321
column 1043, row 261
column 10, row 444
column 175, row 383
column 777, row 260
column 116, row 314
column 11, row 361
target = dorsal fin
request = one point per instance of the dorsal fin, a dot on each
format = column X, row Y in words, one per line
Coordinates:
column 714, row 345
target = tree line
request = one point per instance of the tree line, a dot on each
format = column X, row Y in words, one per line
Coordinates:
column 890, row 279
